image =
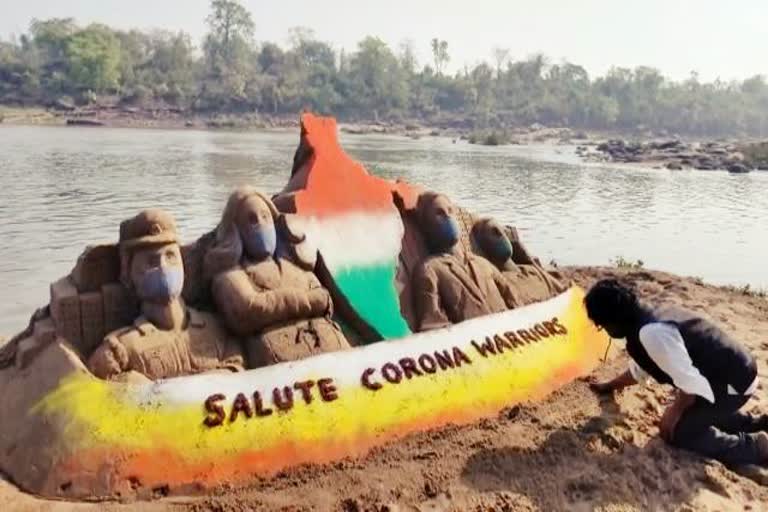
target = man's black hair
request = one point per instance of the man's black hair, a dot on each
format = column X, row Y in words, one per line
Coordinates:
column 610, row 302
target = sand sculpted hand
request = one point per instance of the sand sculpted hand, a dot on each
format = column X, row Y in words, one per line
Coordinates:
column 320, row 302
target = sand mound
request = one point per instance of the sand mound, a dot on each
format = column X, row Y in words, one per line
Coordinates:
column 573, row 452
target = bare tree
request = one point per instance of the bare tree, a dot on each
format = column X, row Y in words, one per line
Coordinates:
column 440, row 54
column 500, row 56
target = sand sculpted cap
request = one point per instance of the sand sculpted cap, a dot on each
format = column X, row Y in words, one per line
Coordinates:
column 149, row 227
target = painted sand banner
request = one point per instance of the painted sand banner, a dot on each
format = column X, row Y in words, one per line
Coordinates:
column 200, row 431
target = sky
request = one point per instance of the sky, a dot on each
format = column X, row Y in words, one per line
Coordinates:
column 717, row 38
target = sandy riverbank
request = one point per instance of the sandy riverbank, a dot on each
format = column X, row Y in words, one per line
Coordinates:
column 571, row 452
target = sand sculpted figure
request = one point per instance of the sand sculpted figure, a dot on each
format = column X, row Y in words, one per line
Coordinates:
column 453, row 285
column 262, row 294
column 169, row 339
column 531, row 282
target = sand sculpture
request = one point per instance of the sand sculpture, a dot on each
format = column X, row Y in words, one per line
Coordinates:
column 126, row 382
column 525, row 275
column 356, row 228
column 453, row 285
column 168, row 339
column 260, row 293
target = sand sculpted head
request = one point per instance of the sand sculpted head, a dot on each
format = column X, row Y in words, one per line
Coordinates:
column 438, row 222
column 255, row 223
column 150, row 257
column 247, row 231
column 491, row 239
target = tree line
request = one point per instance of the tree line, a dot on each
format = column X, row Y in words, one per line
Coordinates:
column 59, row 62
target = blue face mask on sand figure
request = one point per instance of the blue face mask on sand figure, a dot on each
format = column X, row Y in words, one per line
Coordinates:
column 502, row 248
column 448, row 231
column 162, row 284
column 260, row 241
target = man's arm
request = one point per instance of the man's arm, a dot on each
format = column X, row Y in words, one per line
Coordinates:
column 665, row 345
column 618, row 383
column 633, row 375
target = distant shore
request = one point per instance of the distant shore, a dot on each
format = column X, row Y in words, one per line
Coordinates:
column 115, row 116
column 646, row 149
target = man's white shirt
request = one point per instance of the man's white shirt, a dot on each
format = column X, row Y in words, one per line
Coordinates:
column 666, row 347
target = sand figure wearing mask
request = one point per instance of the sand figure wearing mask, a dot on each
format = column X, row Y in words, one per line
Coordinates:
column 168, row 339
column 280, row 307
column 531, row 282
column 453, row 285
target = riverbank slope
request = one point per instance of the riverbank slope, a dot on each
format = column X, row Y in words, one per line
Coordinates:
column 571, row 452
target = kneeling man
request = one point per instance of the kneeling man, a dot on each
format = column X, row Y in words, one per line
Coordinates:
column 714, row 375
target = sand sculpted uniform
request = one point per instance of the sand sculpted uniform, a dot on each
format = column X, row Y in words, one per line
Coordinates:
column 452, row 285
column 168, row 339
column 283, row 308
column 200, row 345
column 530, row 282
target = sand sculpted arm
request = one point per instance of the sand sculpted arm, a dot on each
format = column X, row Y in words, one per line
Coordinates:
column 508, row 293
column 429, row 311
column 316, row 287
column 552, row 284
column 232, row 359
column 109, row 359
column 248, row 310
column 558, row 285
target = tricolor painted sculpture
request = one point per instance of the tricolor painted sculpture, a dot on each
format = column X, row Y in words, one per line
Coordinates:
column 165, row 368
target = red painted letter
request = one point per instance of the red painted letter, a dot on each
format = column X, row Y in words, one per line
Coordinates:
column 304, row 387
column 327, row 390
column 365, row 379
column 215, row 411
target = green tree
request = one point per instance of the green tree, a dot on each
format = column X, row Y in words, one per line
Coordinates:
column 408, row 60
column 49, row 53
column 19, row 76
column 500, row 57
column 57, row 58
column 229, row 40
column 378, row 82
column 51, row 37
column 93, row 59
column 230, row 81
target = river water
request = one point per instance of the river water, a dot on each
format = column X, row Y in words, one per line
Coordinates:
column 64, row 188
